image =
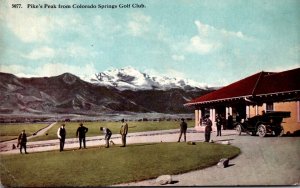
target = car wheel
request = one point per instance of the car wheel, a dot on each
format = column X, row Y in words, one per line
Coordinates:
column 238, row 129
column 262, row 131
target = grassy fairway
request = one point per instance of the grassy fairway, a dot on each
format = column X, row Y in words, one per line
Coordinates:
column 11, row 131
column 98, row 167
column 93, row 127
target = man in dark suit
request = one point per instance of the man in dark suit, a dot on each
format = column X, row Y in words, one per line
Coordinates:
column 81, row 134
column 208, row 128
column 22, row 140
column 61, row 134
column 219, row 124
column 183, row 128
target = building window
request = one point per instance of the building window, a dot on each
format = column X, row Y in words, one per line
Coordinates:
column 269, row 107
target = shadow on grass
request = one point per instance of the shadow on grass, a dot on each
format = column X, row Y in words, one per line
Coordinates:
column 197, row 140
column 111, row 146
column 136, row 145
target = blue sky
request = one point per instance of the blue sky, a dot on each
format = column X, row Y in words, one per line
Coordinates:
column 212, row 42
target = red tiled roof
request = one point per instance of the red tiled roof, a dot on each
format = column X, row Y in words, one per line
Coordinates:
column 258, row 84
column 279, row 82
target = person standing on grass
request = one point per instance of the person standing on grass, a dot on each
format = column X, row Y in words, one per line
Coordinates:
column 208, row 128
column 81, row 134
column 219, row 124
column 61, row 134
column 22, row 140
column 123, row 132
column 183, row 128
column 108, row 134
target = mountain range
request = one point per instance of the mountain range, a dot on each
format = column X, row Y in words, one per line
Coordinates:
column 117, row 91
column 129, row 78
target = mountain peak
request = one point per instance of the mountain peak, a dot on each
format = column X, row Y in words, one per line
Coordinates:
column 67, row 74
column 129, row 78
column 69, row 78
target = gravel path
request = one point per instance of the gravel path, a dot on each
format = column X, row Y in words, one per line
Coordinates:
column 263, row 161
column 72, row 143
column 7, row 146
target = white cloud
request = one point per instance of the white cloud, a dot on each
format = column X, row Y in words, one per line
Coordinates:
column 208, row 31
column 50, row 69
column 233, row 34
column 201, row 46
column 74, row 24
column 210, row 38
column 69, row 20
column 172, row 73
column 138, row 24
column 162, row 34
column 53, row 69
column 43, row 52
column 283, row 67
column 33, row 25
column 30, row 28
column 70, row 51
column 13, row 69
column 74, row 50
column 203, row 29
column 178, row 57
column 106, row 26
column 135, row 28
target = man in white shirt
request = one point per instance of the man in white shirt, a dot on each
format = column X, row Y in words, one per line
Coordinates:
column 61, row 134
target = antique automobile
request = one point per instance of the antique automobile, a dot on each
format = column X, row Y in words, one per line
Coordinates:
column 266, row 124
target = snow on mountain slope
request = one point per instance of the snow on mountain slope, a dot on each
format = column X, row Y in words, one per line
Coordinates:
column 129, row 78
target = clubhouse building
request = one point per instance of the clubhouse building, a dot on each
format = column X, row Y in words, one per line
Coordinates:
column 268, row 91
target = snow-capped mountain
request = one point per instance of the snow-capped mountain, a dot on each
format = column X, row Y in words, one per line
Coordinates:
column 129, row 78
column 68, row 94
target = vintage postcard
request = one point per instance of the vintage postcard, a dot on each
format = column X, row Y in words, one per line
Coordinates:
column 149, row 93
